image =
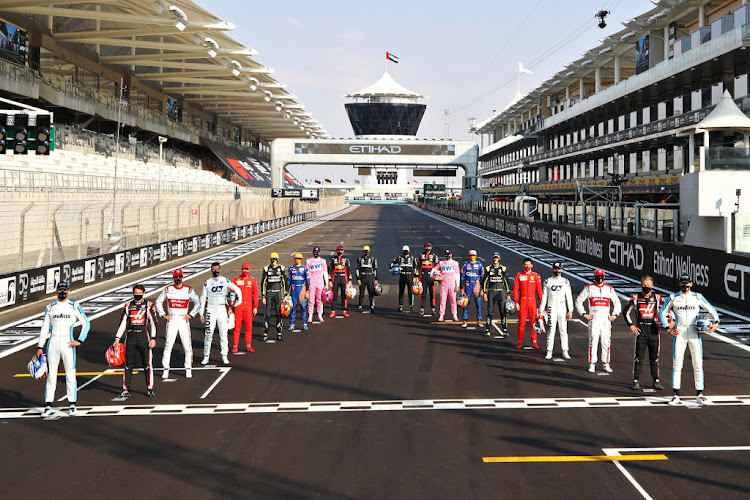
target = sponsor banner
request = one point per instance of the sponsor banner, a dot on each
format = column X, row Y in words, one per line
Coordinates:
column 724, row 278
column 35, row 284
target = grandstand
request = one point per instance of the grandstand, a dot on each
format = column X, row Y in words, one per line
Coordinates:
column 162, row 129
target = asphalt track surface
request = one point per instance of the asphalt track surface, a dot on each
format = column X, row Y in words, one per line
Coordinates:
column 385, row 405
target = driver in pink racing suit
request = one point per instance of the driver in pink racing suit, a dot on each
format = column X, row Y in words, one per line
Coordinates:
column 449, row 286
column 318, row 272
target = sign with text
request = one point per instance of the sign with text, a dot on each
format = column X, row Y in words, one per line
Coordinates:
column 287, row 193
column 302, row 148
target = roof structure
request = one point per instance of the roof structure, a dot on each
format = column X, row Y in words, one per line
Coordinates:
column 616, row 45
column 725, row 116
column 185, row 50
column 386, row 86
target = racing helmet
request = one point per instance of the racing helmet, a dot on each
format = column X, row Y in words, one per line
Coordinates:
column 286, row 306
column 378, row 289
column 510, row 306
column 417, row 288
column 436, row 274
column 462, row 300
column 115, row 355
column 38, row 367
column 326, row 295
column 231, row 298
column 351, row 291
column 703, row 322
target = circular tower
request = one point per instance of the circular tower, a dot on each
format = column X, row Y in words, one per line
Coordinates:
column 385, row 108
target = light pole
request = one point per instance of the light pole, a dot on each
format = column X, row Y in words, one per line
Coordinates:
column 117, row 155
column 162, row 140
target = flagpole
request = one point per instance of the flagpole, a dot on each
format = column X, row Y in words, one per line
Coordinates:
column 518, row 79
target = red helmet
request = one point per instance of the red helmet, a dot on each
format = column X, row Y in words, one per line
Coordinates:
column 177, row 273
column 115, row 355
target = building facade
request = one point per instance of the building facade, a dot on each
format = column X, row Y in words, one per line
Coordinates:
column 626, row 111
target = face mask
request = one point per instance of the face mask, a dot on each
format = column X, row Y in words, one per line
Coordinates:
column 685, row 287
column 496, row 262
column 598, row 280
column 406, row 252
column 646, row 290
column 367, row 252
column 178, row 281
column 245, row 272
column 316, row 255
column 138, row 297
column 339, row 253
column 62, row 295
column 216, row 273
column 273, row 262
column 527, row 267
column 557, row 273
column 297, row 262
column 473, row 258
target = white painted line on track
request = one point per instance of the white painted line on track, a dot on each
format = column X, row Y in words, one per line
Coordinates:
column 386, row 405
column 548, row 257
column 671, row 449
column 87, row 383
column 233, row 252
column 224, row 370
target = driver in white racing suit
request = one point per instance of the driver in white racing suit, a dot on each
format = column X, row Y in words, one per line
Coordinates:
column 558, row 299
column 601, row 298
column 686, row 306
column 214, row 311
column 178, row 297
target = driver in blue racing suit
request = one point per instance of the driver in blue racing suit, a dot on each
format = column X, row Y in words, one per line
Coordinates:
column 472, row 273
column 297, row 282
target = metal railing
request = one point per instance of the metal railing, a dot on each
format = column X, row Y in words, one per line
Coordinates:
column 650, row 220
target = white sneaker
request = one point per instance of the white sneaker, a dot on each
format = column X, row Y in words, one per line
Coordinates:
column 225, row 360
column 607, row 368
column 72, row 410
column 205, row 360
column 675, row 401
column 189, row 373
column 701, row 400
column 165, row 374
column 592, row 368
column 549, row 355
column 566, row 355
column 47, row 411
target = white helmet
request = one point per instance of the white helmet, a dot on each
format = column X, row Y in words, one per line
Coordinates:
column 38, row 367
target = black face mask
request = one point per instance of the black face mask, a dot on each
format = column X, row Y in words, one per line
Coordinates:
column 685, row 287
column 62, row 294
column 138, row 297
column 646, row 290
column 216, row 273
column 316, row 255
column 598, row 279
column 557, row 273
column 339, row 253
column 366, row 253
column 178, row 281
column 406, row 252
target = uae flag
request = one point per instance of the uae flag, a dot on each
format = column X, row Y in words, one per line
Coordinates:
column 391, row 57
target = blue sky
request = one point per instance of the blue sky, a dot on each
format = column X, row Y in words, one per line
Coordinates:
column 454, row 52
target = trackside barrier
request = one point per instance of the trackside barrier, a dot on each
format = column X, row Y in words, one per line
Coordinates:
column 724, row 278
column 30, row 285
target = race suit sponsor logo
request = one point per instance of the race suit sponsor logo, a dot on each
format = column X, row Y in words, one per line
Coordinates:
column 589, row 246
column 53, row 278
column 626, row 254
column 672, row 266
column 734, row 280
column 7, row 291
column 599, row 301
column 561, row 239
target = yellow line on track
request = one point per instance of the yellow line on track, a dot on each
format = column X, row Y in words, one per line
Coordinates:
column 580, row 458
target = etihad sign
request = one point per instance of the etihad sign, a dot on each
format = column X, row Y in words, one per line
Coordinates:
column 372, row 149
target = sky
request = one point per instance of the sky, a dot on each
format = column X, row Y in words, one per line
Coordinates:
column 458, row 53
